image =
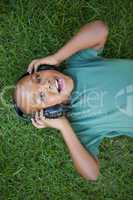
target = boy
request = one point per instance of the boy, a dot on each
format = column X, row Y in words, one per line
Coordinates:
column 95, row 87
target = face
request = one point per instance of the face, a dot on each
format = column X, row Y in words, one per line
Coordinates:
column 43, row 89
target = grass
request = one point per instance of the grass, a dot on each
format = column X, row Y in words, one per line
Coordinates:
column 35, row 164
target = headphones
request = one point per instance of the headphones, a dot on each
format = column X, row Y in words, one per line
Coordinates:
column 52, row 112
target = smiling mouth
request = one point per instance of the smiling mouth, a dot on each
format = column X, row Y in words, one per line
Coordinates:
column 59, row 84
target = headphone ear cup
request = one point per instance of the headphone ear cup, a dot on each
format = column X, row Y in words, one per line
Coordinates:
column 20, row 113
column 56, row 111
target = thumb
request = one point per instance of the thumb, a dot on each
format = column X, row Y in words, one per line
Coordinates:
column 40, row 62
column 36, row 124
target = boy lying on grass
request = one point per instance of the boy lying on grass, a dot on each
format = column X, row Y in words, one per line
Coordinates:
column 97, row 87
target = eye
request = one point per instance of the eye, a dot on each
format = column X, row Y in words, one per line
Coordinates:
column 42, row 96
column 38, row 78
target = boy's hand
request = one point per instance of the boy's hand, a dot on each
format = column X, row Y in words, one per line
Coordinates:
column 41, row 122
column 50, row 60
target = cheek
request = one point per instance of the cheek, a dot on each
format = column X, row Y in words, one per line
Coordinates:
column 53, row 98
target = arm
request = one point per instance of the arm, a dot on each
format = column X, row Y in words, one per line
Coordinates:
column 86, row 165
column 93, row 34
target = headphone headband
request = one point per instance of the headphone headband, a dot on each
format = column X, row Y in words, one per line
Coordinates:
column 41, row 68
column 47, row 67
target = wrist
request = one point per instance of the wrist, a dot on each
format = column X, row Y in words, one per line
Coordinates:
column 57, row 57
column 65, row 52
column 65, row 125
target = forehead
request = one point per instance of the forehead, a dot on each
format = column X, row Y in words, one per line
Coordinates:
column 25, row 92
column 27, row 84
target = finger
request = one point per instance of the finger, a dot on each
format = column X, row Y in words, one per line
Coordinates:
column 41, row 115
column 29, row 70
column 37, row 63
column 36, row 124
column 31, row 66
column 38, row 119
column 36, row 66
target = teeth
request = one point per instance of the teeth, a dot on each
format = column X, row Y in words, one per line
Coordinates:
column 56, row 82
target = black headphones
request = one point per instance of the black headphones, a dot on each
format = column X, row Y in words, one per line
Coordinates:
column 55, row 111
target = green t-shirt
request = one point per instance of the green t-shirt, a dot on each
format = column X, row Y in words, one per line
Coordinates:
column 102, row 98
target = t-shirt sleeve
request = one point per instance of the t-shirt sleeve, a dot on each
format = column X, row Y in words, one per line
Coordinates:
column 85, row 55
column 89, row 137
column 93, row 148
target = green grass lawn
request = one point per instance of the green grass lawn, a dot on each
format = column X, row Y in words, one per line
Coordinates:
column 35, row 164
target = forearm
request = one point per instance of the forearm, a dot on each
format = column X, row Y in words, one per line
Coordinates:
column 89, row 36
column 85, row 164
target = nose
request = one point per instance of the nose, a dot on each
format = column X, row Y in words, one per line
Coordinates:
column 50, row 85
